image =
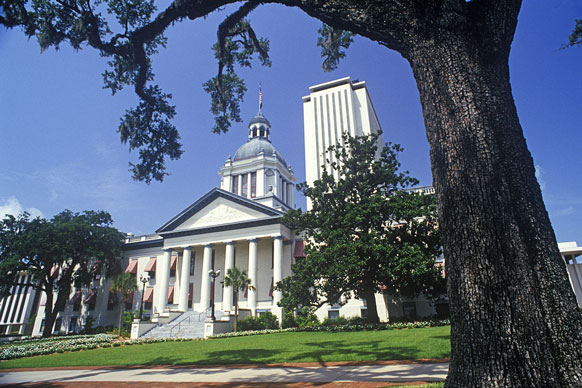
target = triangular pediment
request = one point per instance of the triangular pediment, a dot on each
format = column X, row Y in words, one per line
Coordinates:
column 218, row 207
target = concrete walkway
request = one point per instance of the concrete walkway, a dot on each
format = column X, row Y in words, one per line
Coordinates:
column 263, row 376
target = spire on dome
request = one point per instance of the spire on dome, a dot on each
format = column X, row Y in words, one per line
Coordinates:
column 260, row 98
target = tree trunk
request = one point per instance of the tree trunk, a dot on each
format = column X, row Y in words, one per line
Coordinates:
column 121, row 308
column 514, row 319
column 49, row 316
column 235, row 309
column 371, row 307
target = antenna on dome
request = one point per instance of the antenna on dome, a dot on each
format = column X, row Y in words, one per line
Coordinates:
column 260, row 97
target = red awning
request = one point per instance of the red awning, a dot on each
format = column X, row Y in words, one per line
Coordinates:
column 90, row 299
column 191, row 292
column 271, row 289
column 151, row 265
column 173, row 260
column 76, row 298
column 132, row 267
column 299, row 248
column 43, row 299
column 171, row 294
column 149, row 295
column 128, row 298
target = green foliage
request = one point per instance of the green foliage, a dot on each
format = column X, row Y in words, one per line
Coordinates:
column 288, row 320
column 306, row 317
column 334, row 322
column 332, row 41
column 129, row 33
column 57, row 252
column 123, row 284
column 128, row 318
column 239, row 281
column 88, row 328
column 364, row 233
column 264, row 321
column 575, row 38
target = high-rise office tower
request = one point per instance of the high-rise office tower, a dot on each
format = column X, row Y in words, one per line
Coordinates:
column 330, row 110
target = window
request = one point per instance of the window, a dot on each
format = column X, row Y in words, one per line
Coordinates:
column 253, row 184
column 333, row 314
column 42, row 323
column 173, row 264
column 244, row 179
column 235, row 184
column 364, row 313
column 192, row 261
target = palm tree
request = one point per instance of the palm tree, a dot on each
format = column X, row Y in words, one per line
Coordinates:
column 238, row 280
column 123, row 284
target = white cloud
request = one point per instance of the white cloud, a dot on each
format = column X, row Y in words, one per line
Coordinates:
column 539, row 176
column 13, row 207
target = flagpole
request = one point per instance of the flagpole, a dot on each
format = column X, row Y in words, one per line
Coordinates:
column 260, row 97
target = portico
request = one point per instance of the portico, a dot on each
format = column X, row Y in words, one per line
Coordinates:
column 264, row 252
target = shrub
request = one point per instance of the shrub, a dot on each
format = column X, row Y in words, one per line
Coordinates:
column 334, row 322
column 269, row 321
column 306, row 317
column 355, row 320
column 262, row 322
column 289, row 320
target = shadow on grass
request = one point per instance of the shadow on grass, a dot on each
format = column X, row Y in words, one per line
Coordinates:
column 247, row 356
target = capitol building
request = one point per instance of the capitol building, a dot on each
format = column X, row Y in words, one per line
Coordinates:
column 238, row 223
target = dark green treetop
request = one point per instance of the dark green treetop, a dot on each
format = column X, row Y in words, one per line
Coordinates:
column 365, row 233
column 57, row 253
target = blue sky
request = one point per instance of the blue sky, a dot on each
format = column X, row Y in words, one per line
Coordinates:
column 60, row 149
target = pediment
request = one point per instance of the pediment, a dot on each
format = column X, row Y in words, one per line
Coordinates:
column 218, row 212
column 218, row 207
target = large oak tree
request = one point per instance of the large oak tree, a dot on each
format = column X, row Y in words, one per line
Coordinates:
column 514, row 316
column 365, row 233
column 58, row 253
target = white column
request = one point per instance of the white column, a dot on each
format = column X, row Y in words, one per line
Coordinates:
column 277, row 275
column 228, row 264
column 205, row 283
column 163, row 280
column 253, row 257
column 184, row 279
column 277, row 266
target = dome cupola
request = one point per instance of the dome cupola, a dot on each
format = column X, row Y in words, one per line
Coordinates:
column 260, row 127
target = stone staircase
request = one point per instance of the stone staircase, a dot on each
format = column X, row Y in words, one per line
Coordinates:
column 188, row 325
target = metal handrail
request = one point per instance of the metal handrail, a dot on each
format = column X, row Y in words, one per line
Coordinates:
column 179, row 325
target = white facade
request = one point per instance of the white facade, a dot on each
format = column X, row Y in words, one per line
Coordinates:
column 570, row 251
column 330, row 110
column 16, row 308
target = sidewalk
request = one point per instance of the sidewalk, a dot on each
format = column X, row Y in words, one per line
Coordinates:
column 361, row 375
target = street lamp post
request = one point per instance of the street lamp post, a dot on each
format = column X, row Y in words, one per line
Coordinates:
column 144, row 280
column 213, row 274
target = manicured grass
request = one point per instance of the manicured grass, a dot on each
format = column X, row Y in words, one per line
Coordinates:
column 406, row 344
column 429, row 385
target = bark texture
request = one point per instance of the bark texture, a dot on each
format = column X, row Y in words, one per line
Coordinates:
column 514, row 317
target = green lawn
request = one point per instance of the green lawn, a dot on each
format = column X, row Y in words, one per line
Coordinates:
column 268, row 348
